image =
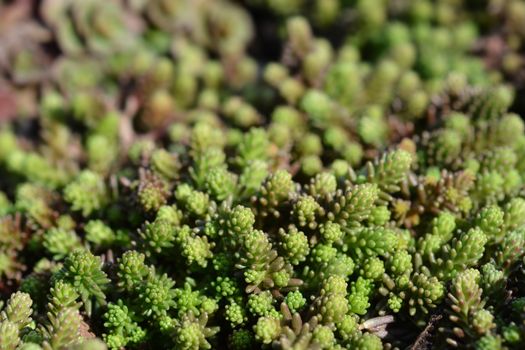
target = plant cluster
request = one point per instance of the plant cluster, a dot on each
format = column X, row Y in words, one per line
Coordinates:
column 288, row 174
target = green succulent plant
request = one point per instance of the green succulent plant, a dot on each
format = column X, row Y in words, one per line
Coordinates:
column 288, row 174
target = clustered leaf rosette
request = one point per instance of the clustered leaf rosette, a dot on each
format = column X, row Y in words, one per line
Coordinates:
column 290, row 174
column 91, row 25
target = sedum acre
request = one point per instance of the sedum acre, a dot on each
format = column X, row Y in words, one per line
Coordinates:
column 262, row 174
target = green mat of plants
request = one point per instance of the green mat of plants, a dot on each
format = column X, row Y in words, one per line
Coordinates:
column 262, row 174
